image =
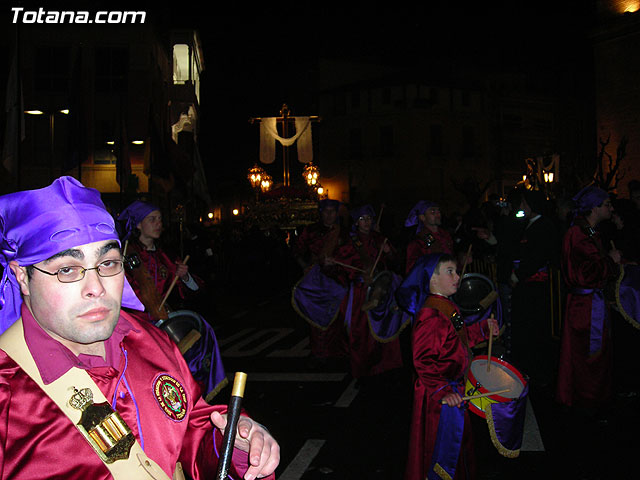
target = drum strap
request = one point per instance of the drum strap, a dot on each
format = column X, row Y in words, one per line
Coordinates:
column 449, row 310
column 131, row 464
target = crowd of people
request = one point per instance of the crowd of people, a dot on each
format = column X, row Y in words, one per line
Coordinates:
column 358, row 293
column 378, row 299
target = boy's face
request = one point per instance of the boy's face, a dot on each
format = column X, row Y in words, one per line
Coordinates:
column 444, row 280
column 364, row 224
column 151, row 225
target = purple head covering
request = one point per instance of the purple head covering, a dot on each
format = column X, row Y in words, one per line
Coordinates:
column 362, row 211
column 419, row 209
column 37, row 224
column 414, row 289
column 134, row 214
column 356, row 213
column 588, row 198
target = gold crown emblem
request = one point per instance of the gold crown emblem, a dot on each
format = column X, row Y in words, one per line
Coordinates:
column 81, row 399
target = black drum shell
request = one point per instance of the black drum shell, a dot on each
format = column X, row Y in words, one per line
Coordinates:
column 473, row 288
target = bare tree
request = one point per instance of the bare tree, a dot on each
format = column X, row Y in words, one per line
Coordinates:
column 608, row 173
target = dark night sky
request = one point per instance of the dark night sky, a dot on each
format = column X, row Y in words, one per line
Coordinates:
column 257, row 61
column 259, row 57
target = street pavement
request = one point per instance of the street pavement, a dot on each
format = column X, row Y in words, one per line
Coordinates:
column 332, row 427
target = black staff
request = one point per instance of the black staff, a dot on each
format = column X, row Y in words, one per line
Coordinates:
column 233, row 414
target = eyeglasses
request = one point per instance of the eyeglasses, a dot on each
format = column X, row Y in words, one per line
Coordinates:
column 108, row 268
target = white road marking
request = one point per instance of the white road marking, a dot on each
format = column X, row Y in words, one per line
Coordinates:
column 301, row 350
column 347, row 396
column 295, row 470
column 235, row 336
column 273, row 335
column 531, row 440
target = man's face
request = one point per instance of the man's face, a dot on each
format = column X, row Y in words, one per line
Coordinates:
column 444, row 280
column 80, row 313
column 432, row 217
column 364, row 224
column 329, row 216
column 151, row 226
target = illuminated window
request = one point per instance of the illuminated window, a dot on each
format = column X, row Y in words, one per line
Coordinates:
column 180, row 64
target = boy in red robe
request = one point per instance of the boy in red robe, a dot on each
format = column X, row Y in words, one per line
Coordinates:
column 441, row 357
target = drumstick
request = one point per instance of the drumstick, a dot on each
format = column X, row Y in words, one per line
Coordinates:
column 466, row 260
column 490, row 344
column 233, row 414
column 345, row 265
column 173, row 283
column 379, row 217
column 488, row 394
column 373, row 268
column 124, row 250
column 481, row 395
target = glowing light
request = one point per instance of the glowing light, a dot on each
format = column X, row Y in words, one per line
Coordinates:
column 520, row 214
column 65, row 111
column 138, row 142
column 34, row 112
column 255, row 176
column 235, row 211
column 311, row 174
column 320, row 190
column 210, row 215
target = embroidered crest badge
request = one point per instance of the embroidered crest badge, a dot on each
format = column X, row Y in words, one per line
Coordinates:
column 171, row 396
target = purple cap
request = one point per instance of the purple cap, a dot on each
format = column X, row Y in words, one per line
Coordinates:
column 588, row 198
column 134, row 214
column 362, row 211
column 418, row 209
column 37, row 224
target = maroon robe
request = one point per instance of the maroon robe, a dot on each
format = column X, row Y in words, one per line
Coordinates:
column 584, row 379
column 368, row 356
column 441, row 242
column 439, row 357
column 38, row 441
column 310, row 247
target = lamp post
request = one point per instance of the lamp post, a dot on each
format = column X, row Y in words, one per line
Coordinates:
column 37, row 112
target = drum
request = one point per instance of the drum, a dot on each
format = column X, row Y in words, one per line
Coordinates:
column 501, row 376
column 380, row 287
column 180, row 323
column 473, row 294
column 627, row 294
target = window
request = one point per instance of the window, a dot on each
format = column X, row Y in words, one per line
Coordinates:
column 468, row 141
column 112, row 66
column 436, row 137
column 52, row 69
column 355, row 143
column 386, row 140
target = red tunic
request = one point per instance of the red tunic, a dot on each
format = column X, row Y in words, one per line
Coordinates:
column 439, row 357
column 584, row 379
column 38, row 441
column 368, row 356
column 441, row 242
